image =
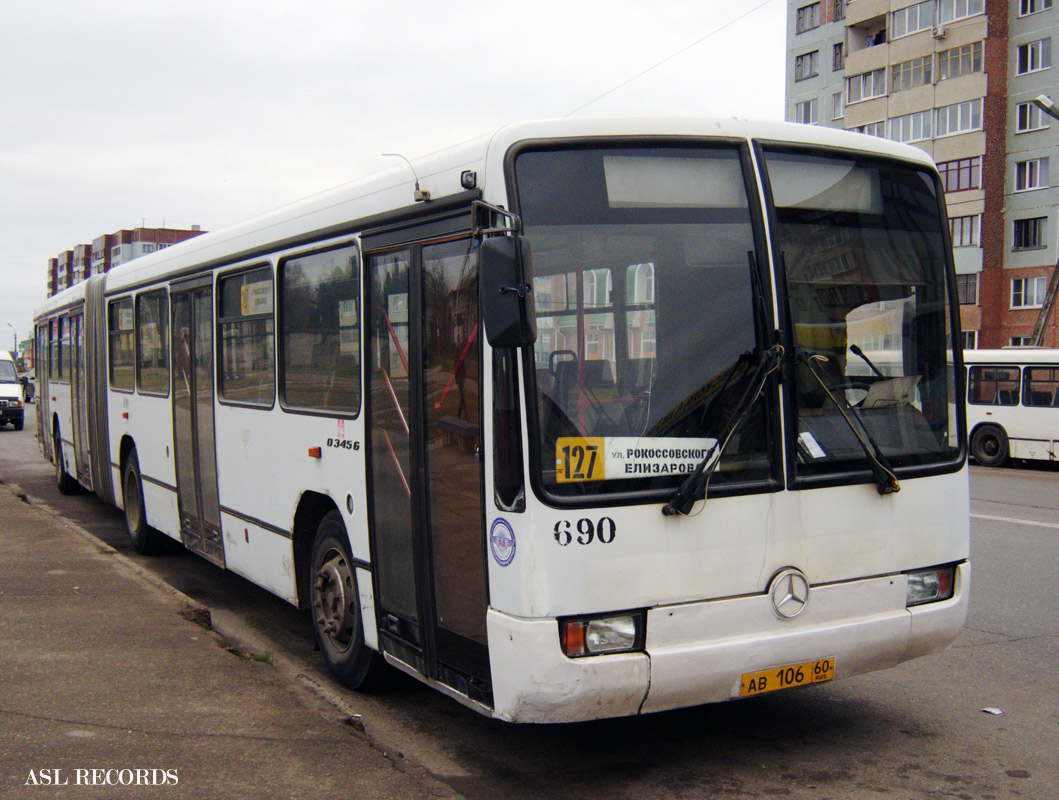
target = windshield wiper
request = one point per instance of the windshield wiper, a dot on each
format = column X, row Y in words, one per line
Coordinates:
column 695, row 484
column 885, row 479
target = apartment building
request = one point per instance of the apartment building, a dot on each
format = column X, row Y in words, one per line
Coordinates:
column 957, row 79
column 109, row 250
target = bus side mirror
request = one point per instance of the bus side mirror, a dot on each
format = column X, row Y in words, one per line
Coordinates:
column 507, row 284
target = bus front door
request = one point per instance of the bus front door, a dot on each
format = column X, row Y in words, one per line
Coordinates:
column 424, row 440
column 193, row 428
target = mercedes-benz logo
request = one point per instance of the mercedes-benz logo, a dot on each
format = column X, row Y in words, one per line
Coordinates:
column 790, row 593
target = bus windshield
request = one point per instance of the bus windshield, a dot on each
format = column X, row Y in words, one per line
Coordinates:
column 648, row 317
column 865, row 261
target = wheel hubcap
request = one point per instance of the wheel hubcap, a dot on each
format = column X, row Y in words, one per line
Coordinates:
column 335, row 605
column 132, row 503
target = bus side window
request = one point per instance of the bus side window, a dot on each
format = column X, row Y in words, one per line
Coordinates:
column 320, row 331
column 1042, row 386
column 152, row 343
column 248, row 345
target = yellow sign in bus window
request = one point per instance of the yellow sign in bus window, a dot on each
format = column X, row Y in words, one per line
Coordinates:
column 580, row 459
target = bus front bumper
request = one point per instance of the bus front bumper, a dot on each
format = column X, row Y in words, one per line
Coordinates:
column 697, row 653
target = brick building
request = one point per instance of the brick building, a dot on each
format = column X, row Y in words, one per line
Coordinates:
column 109, row 250
column 957, row 79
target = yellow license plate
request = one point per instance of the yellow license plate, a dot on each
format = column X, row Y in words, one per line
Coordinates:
column 770, row 680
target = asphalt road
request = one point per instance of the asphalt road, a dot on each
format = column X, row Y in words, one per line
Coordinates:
column 917, row 731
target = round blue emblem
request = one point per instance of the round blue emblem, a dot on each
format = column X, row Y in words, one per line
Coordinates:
column 502, row 542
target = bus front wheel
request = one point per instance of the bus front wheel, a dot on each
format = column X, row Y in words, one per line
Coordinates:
column 336, row 610
column 989, row 446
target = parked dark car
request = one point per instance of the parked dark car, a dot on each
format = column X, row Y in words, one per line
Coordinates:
column 29, row 388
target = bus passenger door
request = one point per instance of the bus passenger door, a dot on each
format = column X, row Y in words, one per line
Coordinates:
column 41, row 365
column 193, row 430
column 79, row 401
column 424, row 441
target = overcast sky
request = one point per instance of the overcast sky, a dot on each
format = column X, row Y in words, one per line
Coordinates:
column 120, row 113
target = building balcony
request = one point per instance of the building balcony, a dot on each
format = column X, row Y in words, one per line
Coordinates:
column 861, row 11
column 866, row 59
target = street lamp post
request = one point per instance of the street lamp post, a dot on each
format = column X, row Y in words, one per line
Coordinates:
column 1045, row 104
column 14, row 339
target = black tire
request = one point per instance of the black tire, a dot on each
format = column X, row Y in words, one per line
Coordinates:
column 64, row 481
column 18, row 424
column 145, row 539
column 336, row 610
column 989, row 446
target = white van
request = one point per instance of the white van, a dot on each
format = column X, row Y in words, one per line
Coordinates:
column 11, row 399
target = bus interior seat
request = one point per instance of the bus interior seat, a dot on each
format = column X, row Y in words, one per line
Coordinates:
column 635, row 374
column 598, row 373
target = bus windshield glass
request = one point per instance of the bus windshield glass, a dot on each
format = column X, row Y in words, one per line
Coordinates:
column 865, row 261
column 648, row 316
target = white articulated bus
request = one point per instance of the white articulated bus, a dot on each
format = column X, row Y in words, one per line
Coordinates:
column 1013, row 404
column 567, row 425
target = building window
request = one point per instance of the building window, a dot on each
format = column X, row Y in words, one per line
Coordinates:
column 807, row 18
column 1029, row 118
column 960, row 61
column 1028, row 292
column 967, row 289
column 872, row 129
column 320, row 330
column 805, row 66
column 1029, row 233
column 122, row 349
column 908, row 74
column 914, row 18
column 865, row 85
column 248, row 340
column 1031, row 174
column 838, row 56
column 969, row 340
column 961, row 174
column 965, row 231
column 148, row 248
column 1033, row 6
column 152, row 343
column 1021, row 341
column 1034, row 56
column 805, row 112
column 1042, row 387
column 959, row 118
column 911, row 127
column 837, row 108
column 949, row 10
column 840, row 9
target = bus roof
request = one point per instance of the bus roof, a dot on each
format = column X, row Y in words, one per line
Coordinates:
column 1012, row 355
column 439, row 173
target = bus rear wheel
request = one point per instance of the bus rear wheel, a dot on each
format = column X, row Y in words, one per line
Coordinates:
column 989, row 446
column 336, row 610
column 145, row 539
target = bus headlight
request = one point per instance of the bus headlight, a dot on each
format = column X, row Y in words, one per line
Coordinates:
column 930, row 585
column 593, row 636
